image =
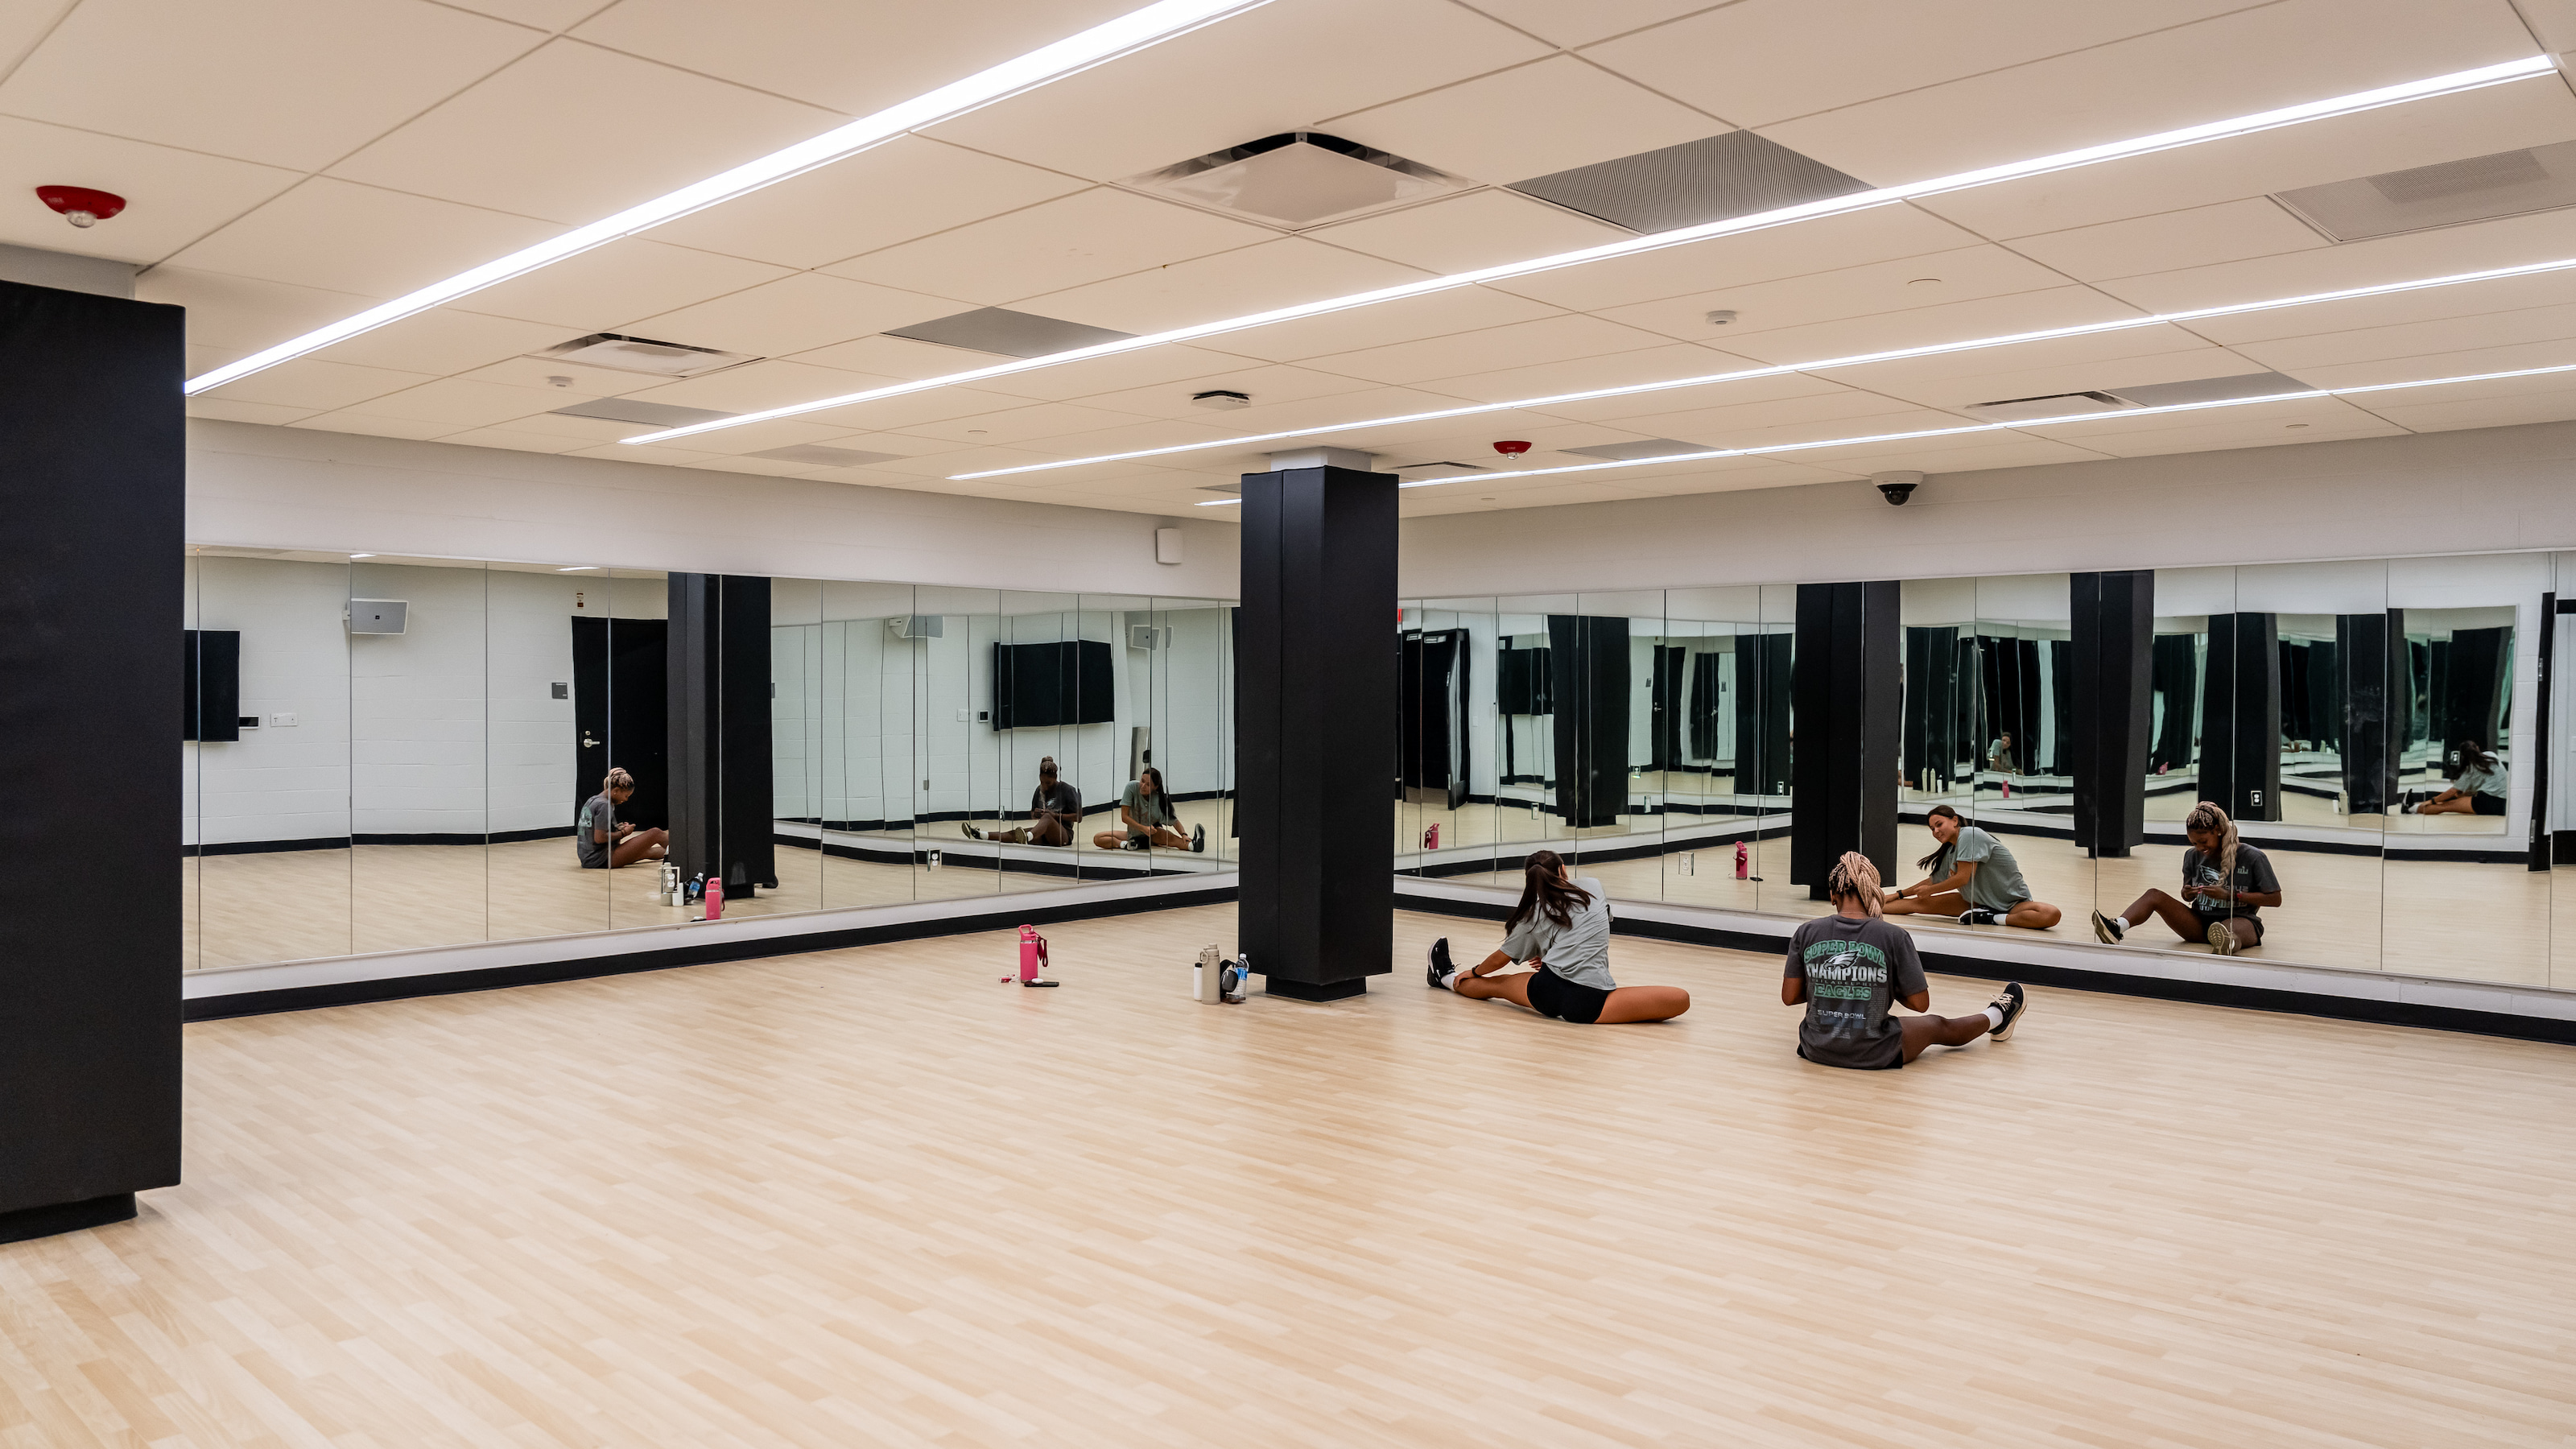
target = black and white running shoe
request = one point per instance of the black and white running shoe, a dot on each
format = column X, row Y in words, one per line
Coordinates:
column 1980, row 916
column 970, row 832
column 2012, row 1002
column 1440, row 969
column 2108, row 929
column 1198, row 838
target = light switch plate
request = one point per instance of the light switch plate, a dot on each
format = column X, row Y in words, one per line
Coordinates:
column 563, row 691
column 282, row 721
column 964, row 715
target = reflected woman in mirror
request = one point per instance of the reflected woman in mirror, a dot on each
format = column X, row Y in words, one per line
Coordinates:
column 1972, row 876
column 2478, row 791
column 1999, row 755
column 1055, row 808
column 2225, row 883
column 1851, row 968
column 605, row 842
column 1145, row 813
column 1562, row 928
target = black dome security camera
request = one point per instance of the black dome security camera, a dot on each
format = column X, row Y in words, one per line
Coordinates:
column 1897, row 487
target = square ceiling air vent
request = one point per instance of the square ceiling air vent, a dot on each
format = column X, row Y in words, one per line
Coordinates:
column 2211, row 389
column 2054, row 405
column 1736, row 174
column 651, row 414
column 825, row 457
column 1434, row 472
column 1298, row 179
column 1638, row 448
column 1007, row 333
column 643, row 354
column 2479, row 188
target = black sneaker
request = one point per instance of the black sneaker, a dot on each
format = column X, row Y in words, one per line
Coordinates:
column 2012, row 1002
column 970, row 832
column 2108, row 929
column 1198, row 838
column 1440, row 967
column 1979, row 916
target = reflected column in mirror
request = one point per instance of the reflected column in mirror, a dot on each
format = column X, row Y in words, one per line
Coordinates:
column 957, row 761
column 1633, row 663
column 273, row 825
column 2554, row 785
column 1712, row 828
column 1185, row 646
column 1449, row 767
column 2462, row 897
column 550, row 650
column 868, row 642
column 796, row 685
column 2188, row 604
column 1766, row 736
column 631, row 734
column 419, row 672
column 1525, row 798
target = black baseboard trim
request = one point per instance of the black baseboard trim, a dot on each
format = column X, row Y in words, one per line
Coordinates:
column 65, row 1217
column 1316, row 990
column 2158, row 988
column 1028, row 912
column 343, row 842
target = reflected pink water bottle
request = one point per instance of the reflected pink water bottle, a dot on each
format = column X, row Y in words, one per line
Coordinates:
column 1033, row 956
column 715, row 898
column 1743, row 860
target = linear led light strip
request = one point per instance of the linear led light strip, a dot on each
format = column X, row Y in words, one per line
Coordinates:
column 2441, row 85
column 1934, row 349
column 1123, row 36
column 1511, row 475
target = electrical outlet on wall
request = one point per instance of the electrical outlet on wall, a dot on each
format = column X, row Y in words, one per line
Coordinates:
column 1686, row 864
column 281, row 719
column 964, row 715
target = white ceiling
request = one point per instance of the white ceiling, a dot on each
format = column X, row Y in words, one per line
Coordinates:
column 289, row 162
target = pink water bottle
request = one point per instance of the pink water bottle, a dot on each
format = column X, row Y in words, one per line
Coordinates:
column 1033, row 957
column 1431, row 837
column 715, row 898
column 1743, row 861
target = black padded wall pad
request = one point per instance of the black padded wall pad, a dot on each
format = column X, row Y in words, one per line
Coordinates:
column 92, row 684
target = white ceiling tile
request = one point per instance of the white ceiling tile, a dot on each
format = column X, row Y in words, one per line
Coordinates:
column 610, row 288
column 2198, row 237
column 1955, row 455
column 1438, row 314
column 2502, row 310
column 514, row 439
column 2553, row 21
column 1763, row 61
column 1152, row 367
column 1896, row 286
column 294, row 83
column 1269, row 387
column 173, row 197
column 587, row 382
column 912, row 410
column 1650, row 364
column 2392, row 138
column 1278, row 68
column 1571, row 25
column 2513, row 241
column 24, row 24
column 852, row 57
column 1967, row 382
column 1038, row 421
column 587, row 132
column 360, row 239
column 443, row 341
column 1467, row 233
column 1550, row 339
column 906, row 188
column 318, row 384
column 2214, row 436
column 2256, row 423
column 757, row 437
column 2295, row 355
column 233, row 411
column 1632, row 409
column 1725, row 427
column 1230, row 284
column 2484, row 412
column 1530, row 121
column 752, row 387
column 367, row 424
column 899, row 358
column 1091, row 237
column 1826, row 244
column 2252, row 60
column 1980, row 317
column 2501, row 357
column 794, row 313
column 547, row 15
column 243, row 313
column 466, row 404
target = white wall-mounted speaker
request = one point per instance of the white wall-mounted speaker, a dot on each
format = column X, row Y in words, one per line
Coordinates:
column 918, row 626
column 378, row 616
column 1167, row 545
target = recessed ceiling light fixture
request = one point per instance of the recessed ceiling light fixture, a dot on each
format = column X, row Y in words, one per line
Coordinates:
column 2441, row 85
column 1823, row 364
column 2303, row 394
column 1125, row 35
column 579, row 569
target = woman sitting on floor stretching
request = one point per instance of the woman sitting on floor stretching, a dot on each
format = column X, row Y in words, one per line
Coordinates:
column 1974, row 877
column 2224, row 883
column 2478, row 791
column 1850, row 967
column 1562, row 927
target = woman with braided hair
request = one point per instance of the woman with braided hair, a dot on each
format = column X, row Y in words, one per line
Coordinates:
column 2225, row 882
column 1851, row 967
column 1562, row 927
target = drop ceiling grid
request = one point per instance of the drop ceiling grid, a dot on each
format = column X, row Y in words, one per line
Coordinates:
column 657, row 284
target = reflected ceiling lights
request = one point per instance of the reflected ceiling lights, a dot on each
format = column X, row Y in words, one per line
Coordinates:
column 2302, row 395
column 1125, row 35
column 1935, row 349
column 2442, row 85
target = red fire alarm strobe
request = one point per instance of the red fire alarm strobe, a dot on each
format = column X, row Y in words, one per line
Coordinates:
column 81, row 205
column 1511, row 450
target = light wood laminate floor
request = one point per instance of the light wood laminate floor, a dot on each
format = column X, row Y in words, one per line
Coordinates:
column 872, row 1197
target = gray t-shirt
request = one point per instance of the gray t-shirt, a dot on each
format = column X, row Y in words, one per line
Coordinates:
column 2253, row 873
column 1152, row 809
column 1579, row 950
column 1998, row 884
column 1855, row 969
column 597, row 816
column 1060, row 798
column 2481, row 780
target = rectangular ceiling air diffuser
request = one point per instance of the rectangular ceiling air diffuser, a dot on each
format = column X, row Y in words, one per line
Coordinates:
column 823, row 456
column 647, row 414
column 1006, row 333
column 2448, row 193
column 1298, row 179
column 2211, row 389
column 1638, row 448
column 643, row 354
column 1711, row 179
column 2054, row 405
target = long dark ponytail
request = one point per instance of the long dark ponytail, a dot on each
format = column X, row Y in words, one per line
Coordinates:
column 1546, row 891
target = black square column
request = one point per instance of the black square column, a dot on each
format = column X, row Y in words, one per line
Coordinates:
column 1588, row 669
column 2112, row 624
column 93, row 469
column 1316, row 742
column 2240, row 716
column 1848, row 688
column 721, row 787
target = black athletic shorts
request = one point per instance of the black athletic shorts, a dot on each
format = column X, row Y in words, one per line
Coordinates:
column 2206, row 918
column 2481, row 803
column 1553, row 995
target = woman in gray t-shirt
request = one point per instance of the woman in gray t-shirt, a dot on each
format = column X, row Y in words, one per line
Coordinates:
column 1562, row 927
column 2479, row 790
column 1972, row 876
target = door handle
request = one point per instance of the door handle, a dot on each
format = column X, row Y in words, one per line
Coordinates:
column 587, row 742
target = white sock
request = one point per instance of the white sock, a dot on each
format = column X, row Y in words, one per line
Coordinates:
column 1995, row 1014
column 1449, row 979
